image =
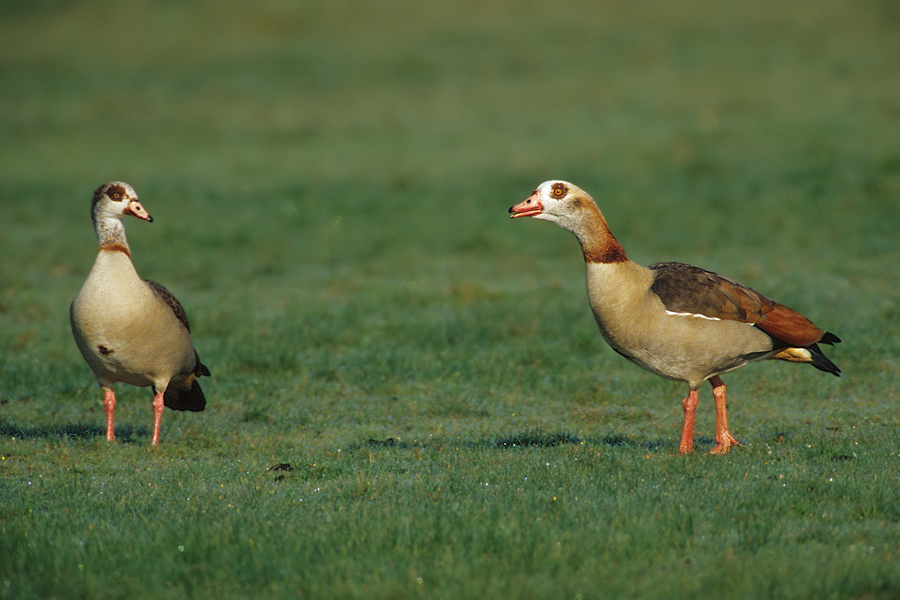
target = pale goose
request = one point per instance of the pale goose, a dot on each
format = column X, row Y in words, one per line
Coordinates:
column 129, row 329
column 678, row 321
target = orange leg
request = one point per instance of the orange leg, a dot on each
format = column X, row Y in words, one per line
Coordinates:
column 158, row 407
column 109, row 404
column 687, row 428
column 724, row 441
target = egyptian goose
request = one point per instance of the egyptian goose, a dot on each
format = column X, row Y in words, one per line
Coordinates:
column 131, row 329
column 678, row 321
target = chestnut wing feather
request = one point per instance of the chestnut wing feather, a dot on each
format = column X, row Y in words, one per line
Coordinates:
column 687, row 289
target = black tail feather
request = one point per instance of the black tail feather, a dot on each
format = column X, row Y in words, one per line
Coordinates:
column 201, row 371
column 830, row 338
column 185, row 399
column 820, row 361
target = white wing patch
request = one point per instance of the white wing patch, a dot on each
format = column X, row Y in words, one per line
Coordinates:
column 684, row 314
column 680, row 314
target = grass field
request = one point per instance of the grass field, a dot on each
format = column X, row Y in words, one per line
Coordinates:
column 409, row 395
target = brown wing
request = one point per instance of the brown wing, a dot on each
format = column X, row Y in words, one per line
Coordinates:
column 200, row 369
column 686, row 289
column 167, row 297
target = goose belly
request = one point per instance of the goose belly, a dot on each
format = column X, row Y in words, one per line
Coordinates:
column 136, row 339
column 686, row 348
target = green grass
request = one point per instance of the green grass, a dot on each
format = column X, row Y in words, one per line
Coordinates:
column 329, row 183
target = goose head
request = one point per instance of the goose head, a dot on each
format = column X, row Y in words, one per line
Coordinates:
column 116, row 199
column 556, row 201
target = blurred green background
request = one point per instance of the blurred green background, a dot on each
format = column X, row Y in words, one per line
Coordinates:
column 329, row 182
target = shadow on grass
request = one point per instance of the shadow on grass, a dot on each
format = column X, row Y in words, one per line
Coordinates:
column 75, row 430
column 511, row 443
column 529, row 439
column 545, row 440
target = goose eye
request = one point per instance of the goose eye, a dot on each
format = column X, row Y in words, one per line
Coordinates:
column 558, row 190
column 116, row 193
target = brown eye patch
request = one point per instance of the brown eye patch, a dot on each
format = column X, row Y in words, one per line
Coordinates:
column 558, row 190
column 116, row 192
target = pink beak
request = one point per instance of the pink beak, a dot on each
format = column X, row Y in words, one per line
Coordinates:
column 135, row 209
column 529, row 208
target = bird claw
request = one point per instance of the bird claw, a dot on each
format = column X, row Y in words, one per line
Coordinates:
column 724, row 444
